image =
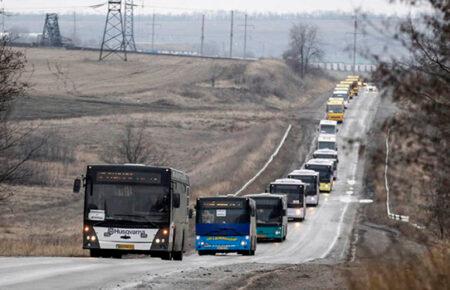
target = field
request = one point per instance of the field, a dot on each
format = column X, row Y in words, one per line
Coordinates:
column 217, row 120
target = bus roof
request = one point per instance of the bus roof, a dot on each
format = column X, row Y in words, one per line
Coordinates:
column 304, row 172
column 326, row 138
column 339, row 91
column 325, row 152
column 335, row 101
column 266, row 195
column 328, row 122
column 221, row 197
column 288, row 181
column 320, row 161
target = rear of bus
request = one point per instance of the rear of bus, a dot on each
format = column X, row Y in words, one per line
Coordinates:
column 335, row 110
column 311, row 178
column 271, row 216
column 325, row 169
column 295, row 193
column 225, row 224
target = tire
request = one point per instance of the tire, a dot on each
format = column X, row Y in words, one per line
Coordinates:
column 202, row 253
column 95, row 253
column 166, row 256
column 178, row 256
column 116, row 255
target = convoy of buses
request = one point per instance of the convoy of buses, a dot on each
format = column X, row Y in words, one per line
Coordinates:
column 134, row 208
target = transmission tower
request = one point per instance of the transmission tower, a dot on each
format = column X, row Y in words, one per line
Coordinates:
column 51, row 35
column 129, row 25
column 113, row 41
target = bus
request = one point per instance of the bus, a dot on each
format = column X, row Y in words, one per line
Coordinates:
column 327, row 141
column 271, row 216
column 325, row 169
column 341, row 95
column 134, row 208
column 311, row 178
column 328, row 154
column 335, row 110
column 328, row 127
column 295, row 193
column 225, row 224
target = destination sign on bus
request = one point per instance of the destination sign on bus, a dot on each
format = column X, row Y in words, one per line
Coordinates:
column 128, row 177
column 222, row 204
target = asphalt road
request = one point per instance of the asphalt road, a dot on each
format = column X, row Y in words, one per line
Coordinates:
column 323, row 238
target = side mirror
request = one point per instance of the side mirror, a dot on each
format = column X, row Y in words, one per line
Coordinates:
column 76, row 185
column 267, row 189
column 176, row 200
column 191, row 213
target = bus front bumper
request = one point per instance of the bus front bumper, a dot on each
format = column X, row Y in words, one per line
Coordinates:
column 296, row 213
column 269, row 232
column 222, row 243
column 312, row 199
column 325, row 186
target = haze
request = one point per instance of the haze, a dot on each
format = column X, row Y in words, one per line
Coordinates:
column 180, row 6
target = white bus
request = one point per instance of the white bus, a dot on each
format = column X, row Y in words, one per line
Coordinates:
column 311, row 178
column 327, row 141
column 328, row 127
column 295, row 191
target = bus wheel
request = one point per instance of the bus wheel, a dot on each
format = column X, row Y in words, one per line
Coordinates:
column 116, row 255
column 166, row 256
column 202, row 253
column 178, row 256
column 95, row 253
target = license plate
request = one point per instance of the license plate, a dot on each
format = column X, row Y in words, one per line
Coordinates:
column 125, row 246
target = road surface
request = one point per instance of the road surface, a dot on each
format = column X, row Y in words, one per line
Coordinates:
column 323, row 238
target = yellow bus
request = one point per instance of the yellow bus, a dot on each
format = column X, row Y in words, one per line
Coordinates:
column 335, row 109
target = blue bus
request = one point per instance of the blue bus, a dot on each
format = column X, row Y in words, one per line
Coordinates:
column 271, row 216
column 225, row 224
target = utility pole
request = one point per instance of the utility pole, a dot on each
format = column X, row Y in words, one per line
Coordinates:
column 246, row 26
column 3, row 17
column 354, row 43
column 153, row 31
column 202, row 38
column 74, row 26
column 231, row 33
column 113, row 41
column 130, row 44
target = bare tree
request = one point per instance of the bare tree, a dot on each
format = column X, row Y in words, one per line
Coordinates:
column 215, row 72
column 12, row 65
column 304, row 48
column 133, row 145
column 420, row 84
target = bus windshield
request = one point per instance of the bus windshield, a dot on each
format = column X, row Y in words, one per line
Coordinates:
column 224, row 216
column 335, row 108
column 328, row 129
column 293, row 193
column 268, row 210
column 324, row 156
column 125, row 202
column 311, row 181
column 327, row 145
column 324, row 172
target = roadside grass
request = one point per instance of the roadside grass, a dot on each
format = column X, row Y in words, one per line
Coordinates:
column 429, row 271
column 43, row 245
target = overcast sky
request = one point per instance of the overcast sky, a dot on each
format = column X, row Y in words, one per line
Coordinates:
column 179, row 6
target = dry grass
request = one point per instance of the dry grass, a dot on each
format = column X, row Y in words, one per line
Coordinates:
column 429, row 271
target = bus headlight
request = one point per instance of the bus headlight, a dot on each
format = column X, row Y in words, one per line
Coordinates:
column 247, row 237
column 202, row 243
column 157, row 241
column 298, row 212
column 197, row 237
column 86, row 229
column 243, row 243
column 277, row 232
